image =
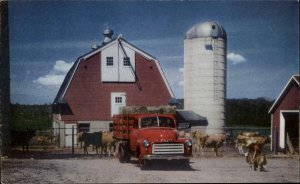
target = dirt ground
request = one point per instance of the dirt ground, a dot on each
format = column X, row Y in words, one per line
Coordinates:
column 60, row 166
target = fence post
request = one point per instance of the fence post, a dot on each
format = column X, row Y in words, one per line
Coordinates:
column 58, row 140
column 51, row 135
column 225, row 139
column 275, row 141
column 73, row 140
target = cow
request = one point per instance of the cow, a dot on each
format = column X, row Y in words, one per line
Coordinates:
column 94, row 139
column 215, row 141
column 247, row 138
column 256, row 161
column 260, row 140
column 198, row 138
column 22, row 138
column 41, row 140
column 79, row 139
column 255, row 158
column 108, row 143
column 242, row 138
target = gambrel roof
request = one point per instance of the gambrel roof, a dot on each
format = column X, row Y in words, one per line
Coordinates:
column 68, row 78
column 295, row 79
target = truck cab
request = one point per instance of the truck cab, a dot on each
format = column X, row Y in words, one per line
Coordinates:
column 150, row 137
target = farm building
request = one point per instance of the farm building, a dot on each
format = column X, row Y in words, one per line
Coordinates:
column 285, row 118
column 111, row 76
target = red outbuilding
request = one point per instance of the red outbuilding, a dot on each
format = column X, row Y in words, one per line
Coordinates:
column 285, row 118
column 110, row 76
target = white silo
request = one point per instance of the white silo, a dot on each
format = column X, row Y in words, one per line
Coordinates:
column 205, row 73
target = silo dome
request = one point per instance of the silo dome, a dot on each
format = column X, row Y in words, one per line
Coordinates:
column 206, row 29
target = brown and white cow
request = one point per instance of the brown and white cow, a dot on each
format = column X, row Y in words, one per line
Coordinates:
column 243, row 139
column 108, row 143
column 214, row 141
column 255, row 158
column 198, row 138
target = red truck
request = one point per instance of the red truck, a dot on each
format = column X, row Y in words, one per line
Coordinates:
column 149, row 137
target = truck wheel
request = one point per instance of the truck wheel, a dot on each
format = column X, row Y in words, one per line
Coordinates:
column 123, row 157
column 144, row 164
column 127, row 157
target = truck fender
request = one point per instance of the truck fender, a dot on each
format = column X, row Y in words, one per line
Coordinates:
column 140, row 147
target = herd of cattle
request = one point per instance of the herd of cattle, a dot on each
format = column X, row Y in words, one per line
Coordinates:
column 104, row 143
column 253, row 141
column 99, row 140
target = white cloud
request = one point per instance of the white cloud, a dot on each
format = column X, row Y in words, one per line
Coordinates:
column 174, row 76
column 181, row 83
column 62, row 66
column 50, row 80
column 235, row 58
column 56, row 76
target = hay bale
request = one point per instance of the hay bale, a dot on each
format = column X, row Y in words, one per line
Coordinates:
column 133, row 110
column 167, row 109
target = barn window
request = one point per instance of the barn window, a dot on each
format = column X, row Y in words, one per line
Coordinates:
column 83, row 127
column 126, row 61
column 109, row 61
column 118, row 100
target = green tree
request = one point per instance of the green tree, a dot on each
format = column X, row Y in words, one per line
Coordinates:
column 248, row 112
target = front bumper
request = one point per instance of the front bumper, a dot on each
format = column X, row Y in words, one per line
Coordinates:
column 166, row 157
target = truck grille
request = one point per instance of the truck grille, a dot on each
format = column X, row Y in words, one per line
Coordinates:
column 167, row 148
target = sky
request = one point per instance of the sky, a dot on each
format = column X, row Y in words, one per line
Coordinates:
column 46, row 38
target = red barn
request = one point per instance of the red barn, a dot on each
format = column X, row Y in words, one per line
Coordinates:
column 285, row 118
column 110, row 76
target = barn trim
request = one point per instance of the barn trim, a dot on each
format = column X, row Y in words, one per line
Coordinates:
column 294, row 78
column 67, row 81
column 282, row 127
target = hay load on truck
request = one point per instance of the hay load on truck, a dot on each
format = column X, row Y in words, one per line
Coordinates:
column 149, row 136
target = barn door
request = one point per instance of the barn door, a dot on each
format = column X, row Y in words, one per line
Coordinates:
column 68, row 134
column 118, row 99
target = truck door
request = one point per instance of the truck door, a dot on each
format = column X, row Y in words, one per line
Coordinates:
column 118, row 99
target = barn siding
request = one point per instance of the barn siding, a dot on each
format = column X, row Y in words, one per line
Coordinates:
column 89, row 98
column 288, row 102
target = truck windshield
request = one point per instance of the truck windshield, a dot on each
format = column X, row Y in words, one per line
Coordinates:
column 157, row 122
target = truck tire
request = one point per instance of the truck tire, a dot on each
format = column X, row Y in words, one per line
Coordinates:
column 127, row 156
column 143, row 164
column 124, row 156
column 185, row 163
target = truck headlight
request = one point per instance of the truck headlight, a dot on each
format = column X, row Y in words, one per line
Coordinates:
column 146, row 144
column 188, row 143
